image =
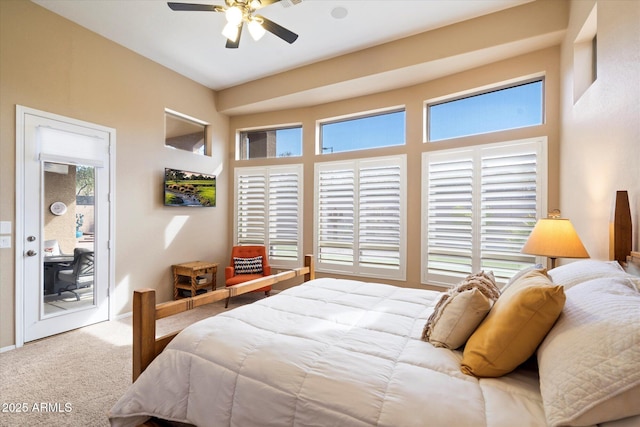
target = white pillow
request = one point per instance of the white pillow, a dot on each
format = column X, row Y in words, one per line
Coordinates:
column 577, row 272
column 589, row 362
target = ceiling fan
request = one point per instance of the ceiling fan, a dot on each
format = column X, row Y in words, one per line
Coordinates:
column 237, row 13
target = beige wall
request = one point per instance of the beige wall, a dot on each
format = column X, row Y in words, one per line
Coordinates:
column 422, row 57
column 544, row 62
column 51, row 64
column 600, row 138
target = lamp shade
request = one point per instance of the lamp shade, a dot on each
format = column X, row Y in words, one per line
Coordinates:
column 555, row 238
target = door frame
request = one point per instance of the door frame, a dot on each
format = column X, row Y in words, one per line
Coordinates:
column 19, row 254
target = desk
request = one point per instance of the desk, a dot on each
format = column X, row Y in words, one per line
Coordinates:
column 185, row 276
column 53, row 264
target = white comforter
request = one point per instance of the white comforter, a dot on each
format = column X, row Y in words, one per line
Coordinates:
column 326, row 353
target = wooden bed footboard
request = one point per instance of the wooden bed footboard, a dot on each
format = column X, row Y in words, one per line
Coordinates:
column 145, row 311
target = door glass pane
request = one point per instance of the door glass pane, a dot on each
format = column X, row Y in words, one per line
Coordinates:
column 68, row 242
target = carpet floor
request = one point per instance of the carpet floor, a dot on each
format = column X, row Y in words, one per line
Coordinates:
column 74, row 378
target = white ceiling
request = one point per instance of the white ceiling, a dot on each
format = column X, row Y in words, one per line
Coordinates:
column 191, row 44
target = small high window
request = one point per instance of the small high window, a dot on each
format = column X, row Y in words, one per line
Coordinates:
column 185, row 133
column 270, row 143
column 585, row 55
column 512, row 107
column 377, row 130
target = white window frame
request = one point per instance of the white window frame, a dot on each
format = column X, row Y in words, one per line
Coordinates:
column 475, row 153
column 268, row 173
column 357, row 244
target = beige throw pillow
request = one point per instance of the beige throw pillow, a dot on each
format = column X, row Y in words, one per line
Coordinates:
column 460, row 311
column 514, row 327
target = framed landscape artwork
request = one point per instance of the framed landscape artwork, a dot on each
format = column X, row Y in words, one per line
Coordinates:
column 192, row 189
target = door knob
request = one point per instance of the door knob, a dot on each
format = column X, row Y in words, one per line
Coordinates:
column 31, row 252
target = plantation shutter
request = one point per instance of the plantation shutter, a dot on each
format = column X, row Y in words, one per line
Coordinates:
column 449, row 189
column 380, row 216
column 336, row 216
column 508, row 209
column 479, row 207
column 269, row 211
column 360, row 217
column 250, row 212
column 284, row 220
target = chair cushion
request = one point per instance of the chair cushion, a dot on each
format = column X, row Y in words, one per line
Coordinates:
column 67, row 276
column 241, row 278
column 251, row 265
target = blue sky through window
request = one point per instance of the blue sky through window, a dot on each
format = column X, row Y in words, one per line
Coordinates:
column 381, row 130
column 289, row 142
column 509, row 108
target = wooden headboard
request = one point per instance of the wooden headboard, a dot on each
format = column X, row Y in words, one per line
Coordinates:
column 620, row 231
column 621, row 235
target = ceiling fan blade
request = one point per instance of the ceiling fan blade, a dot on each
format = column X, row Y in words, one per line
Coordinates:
column 235, row 44
column 278, row 30
column 195, row 7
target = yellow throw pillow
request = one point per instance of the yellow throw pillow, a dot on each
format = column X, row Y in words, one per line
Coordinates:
column 515, row 326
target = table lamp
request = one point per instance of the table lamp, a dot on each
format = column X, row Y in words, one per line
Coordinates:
column 554, row 237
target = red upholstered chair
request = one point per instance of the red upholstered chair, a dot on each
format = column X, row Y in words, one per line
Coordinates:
column 244, row 258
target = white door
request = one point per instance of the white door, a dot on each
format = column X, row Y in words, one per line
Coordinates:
column 64, row 223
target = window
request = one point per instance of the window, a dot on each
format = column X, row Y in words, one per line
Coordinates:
column 268, row 211
column 479, row 206
column 360, row 219
column 508, row 108
column 185, row 133
column 585, row 55
column 371, row 131
column 270, row 143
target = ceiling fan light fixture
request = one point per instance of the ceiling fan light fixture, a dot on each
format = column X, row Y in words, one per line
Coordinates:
column 256, row 29
column 231, row 31
column 239, row 12
column 234, row 15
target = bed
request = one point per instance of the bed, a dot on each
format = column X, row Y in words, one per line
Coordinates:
column 332, row 352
